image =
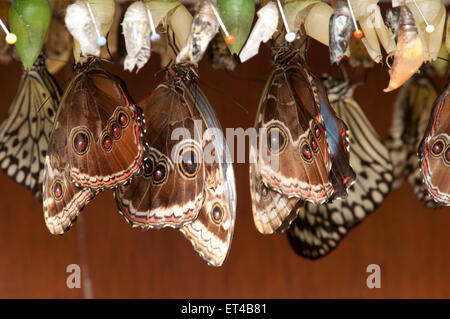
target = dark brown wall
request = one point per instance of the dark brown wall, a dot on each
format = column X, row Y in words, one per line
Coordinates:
column 409, row 242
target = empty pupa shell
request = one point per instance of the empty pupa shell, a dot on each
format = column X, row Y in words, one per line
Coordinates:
column 263, row 30
column 309, row 13
column 434, row 13
column 368, row 14
column 204, row 28
column 340, row 29
column 136, row 31
column 82, row 28
column 409, row 52
column 447, row 38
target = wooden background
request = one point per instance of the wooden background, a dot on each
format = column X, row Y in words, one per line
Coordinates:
column 409, row 242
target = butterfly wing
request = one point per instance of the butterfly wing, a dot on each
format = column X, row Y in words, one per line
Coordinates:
column 99, row 131
column 170, row 192
column 293, row 153
column 319, row 229
column 211, row 233
column 434, row 150
column 62, row 200
column 25, row 132
column 272, row 211
column 341, row 175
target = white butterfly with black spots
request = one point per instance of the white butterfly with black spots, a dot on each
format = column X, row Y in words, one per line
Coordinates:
column 25, row 132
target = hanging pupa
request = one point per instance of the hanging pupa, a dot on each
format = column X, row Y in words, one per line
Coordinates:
column 29, row 20
column 307, row 14
column 430, row 22
column 368, row 14
column 204, row 28
column 238, row 16
column 409, row 52
column 447, row 38
column 136, row 31
column 340, row 30
column 141, row 38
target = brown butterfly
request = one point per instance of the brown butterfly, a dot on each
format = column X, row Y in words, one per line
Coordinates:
column 434, row 150
column 186, row 184
column 302, row 151
column 302, row 133
column 96, row 143
column 295, row 136
column 170, row 192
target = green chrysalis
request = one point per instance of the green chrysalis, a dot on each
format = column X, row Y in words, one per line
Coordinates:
column 29, row 20
column 237, row 15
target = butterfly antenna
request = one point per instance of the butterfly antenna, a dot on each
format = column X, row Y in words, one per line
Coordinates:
column 42, row 104
column 344, row 72
column 441, row 58
column 107, row 47
column 364, row 81
column 163, row 69
column 106, row 60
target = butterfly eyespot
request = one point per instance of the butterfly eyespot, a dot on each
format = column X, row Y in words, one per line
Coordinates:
column 188, row 161
column 149, row 165
column 123, row 119
column 305, row 151
column 217, row 213
column 116, row 131
column 317, row 132
column 314, row 145
column 263, row 190
column 160, row 173
column 276, row 139
column 107, row 142
column 81, row 142
column 57, row 190
column 438, row 147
